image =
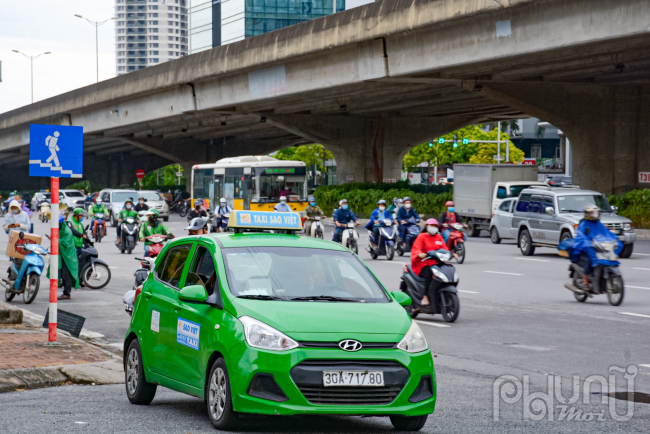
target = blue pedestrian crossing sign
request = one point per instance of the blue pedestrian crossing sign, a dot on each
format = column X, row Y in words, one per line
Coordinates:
column 56, row 151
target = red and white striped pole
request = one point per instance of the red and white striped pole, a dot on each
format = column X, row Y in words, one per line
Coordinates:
column 54, row 258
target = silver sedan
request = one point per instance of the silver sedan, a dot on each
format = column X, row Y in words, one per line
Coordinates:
column 501, row 223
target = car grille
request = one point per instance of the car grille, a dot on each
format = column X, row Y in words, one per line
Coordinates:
column 308, row 376
column 364, row 345
column 616, row 227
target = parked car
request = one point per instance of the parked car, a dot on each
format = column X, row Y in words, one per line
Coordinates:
column 155, row 200
column 72, row 198
column 114, row 200
column 545, row 216
column 501, row 222
column 558, row 180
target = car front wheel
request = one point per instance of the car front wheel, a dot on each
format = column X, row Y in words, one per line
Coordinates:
column 219, row 398
column 408, row 423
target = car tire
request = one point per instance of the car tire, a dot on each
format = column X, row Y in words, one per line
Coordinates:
column 113, row 221
column 565, row 236
column 627, row 251
column 408, row 423
column 138, row 389
column 472, row 231
column 494, row 235
column 526, row 243
column 165, row 219
column 219, row 398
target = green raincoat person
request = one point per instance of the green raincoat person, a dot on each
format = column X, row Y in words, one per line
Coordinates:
column 68, row 263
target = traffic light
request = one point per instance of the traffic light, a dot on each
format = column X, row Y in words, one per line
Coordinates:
column 465, row 141
column 431, row 144
column 455, row 141
column 441, row 140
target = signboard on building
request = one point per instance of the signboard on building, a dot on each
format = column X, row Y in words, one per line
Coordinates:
column 644, row 177
column 390, row 180
column 529, row 162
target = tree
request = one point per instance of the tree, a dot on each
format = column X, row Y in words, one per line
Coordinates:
column 308, row 154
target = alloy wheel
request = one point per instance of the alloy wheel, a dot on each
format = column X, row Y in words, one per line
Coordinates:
column 217, row 394
column 132, row 371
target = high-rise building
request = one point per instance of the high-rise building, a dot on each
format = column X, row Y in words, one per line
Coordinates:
column 203, row 35
column 149, row 32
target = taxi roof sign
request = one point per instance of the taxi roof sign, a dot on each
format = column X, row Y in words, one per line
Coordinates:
column 265, row 220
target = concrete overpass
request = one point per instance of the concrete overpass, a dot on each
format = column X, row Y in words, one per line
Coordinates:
column 370, row 83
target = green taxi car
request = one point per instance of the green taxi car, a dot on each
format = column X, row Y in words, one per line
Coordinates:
column 276, row 324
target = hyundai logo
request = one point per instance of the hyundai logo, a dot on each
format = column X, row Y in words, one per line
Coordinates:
column 350, row 345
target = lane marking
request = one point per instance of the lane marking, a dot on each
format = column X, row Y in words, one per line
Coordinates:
column 645, row 269
column 645, row 366
column 643, row 254
column 501, row 272
column 635, row 287
column 635, row 314
column 433, row 324
column 474, row 292
column 531, row 259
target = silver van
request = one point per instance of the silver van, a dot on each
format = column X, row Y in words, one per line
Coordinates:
column 545, row 216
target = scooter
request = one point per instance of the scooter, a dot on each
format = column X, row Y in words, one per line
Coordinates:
column 99, row 230
column 456, row 241
column 44, row 211
column 157, row 243
column 93, row 272
column 140, row 275
column 24, row 275
column 130, row 231
column 385, row 245
column 350, row 237
column 222, row 222
column 606, row 278
column 316, row 229
column 445, row 276
column 412, row 232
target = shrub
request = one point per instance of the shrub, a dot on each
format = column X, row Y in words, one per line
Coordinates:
column 634, row 205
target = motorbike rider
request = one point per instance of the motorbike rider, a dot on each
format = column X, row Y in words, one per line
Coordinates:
column 76, row 226
column 427, row 241
column 16, row 218
column 141, row 206
column 97, row 208
column 342, row 217
column 124, row 214
column 448, row 218
column 25, row 208
column 282, row 206
column 403, row 214
column 68, row 262
column 221, row 210
column 152, row 226
column 88, row 201
column 376, row 217
column 198, row 210
column 310, row 212
column 197, row 227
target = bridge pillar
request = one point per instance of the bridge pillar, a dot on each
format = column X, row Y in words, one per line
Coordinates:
column 608, row 126
column 368, row 149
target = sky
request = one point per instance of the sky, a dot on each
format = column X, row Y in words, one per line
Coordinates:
column 37, row 26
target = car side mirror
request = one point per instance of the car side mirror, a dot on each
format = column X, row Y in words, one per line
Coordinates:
column 402, row 298
column 615, row 209
column 193, row 294
column 550, row 210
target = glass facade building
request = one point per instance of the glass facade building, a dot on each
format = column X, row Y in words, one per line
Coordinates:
column 203, row 34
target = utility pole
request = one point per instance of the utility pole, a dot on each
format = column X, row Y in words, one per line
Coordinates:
column 31, row 61
column 96, row 24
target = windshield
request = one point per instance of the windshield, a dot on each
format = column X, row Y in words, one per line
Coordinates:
column 273, row 182
column 515, row 190
column 153, row 196
column 74, row 194
column 577, row 203
column 288, row 273
column 121, row 197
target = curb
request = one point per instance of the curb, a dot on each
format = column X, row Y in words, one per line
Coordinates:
column 642, row 234
column 10, row 314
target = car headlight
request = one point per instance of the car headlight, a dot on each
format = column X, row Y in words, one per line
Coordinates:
column 439, row 274
column 260, row 335
column 627, row 227
column 413, row 341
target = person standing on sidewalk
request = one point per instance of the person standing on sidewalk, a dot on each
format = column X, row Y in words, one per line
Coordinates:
column 68, row 263
column 76, row 226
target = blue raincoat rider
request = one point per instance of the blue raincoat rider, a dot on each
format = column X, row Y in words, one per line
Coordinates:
column 341, row 217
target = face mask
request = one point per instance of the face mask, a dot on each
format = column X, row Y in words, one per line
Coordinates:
column 344, row 206
column 223, row 203
column 432, row 230
column 451, row 209
column 381, row 208
column 128, row 207
column 15, row 211
column 312, row 203
column 407, row 205
column 141, row 202
column 283, row 202
column 80, row 219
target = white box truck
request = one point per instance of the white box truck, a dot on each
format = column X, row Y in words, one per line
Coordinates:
column 480, row 188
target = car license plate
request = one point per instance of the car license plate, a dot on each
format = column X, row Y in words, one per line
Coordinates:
column 353, row 378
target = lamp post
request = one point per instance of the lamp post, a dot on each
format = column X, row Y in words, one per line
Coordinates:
column 96, row 24
column 31, row 60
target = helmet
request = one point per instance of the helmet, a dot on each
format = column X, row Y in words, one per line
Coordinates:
column 78, row 211
column 381, row 202
column 98, row 201
column 153, row 212
column 196, row 224
column 406, row 198
column 432, row 222
column 283, row 198
column 311, row 199
column 592, row 212
column 343, row 201
column 223, row 199
column 449, row 203
column 198, row 202
column 129, row 200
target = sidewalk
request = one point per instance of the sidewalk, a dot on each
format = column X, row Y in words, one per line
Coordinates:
column 26, row 363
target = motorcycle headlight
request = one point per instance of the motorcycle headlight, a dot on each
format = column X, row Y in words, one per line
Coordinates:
column 413, row 341
column 260, row 335
column 439, row 274
column 627, row 227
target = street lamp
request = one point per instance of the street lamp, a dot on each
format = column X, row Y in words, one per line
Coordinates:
column 96, row 24
column 31, row 60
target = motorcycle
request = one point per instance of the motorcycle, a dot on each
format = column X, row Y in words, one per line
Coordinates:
column 184, row 208
column 142, row 274
column 44, row 211
column 350, row 237
column 130, row 235
column 157, row 243
column 456, row 241
column 24, row 276
column 606, row 277
column 93, row 272
column 385, row 245
column 99, row 230
column 221, row 223
column 412, row 232
column 316, row 229
column 444, row 275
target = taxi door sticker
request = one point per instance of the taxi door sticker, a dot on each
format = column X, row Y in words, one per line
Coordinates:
column 155, row 321
column 187, row 333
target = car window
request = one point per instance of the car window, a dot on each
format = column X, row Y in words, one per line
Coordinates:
column 547, row 202
column 522, row 203
column 505, row 205
column 174, row 262
column 121, row 196
column 502, row 193
column 577, row 203
column 202, row 271
column 153, row 196
column 536, row 204
column 74, row 194
column 106, row 197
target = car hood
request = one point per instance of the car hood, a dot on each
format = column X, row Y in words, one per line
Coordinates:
column 605, row 218
column 324, row 321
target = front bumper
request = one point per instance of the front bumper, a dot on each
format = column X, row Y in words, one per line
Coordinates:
column 245, row 362
column 627, row 237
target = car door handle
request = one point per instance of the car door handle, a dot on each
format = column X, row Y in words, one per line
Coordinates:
column 147, row 295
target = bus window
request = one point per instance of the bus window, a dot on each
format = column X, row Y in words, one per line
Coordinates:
column 271, row 183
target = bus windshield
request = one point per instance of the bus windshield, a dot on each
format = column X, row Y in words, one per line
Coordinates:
column 273, row 182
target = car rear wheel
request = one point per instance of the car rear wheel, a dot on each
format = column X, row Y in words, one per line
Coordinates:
column 526, row 244
column 408, row 423
column 494, row 235
column 219, row 398
column 138, row 389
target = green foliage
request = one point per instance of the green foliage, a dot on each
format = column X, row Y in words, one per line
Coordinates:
column 634, row 205
column 308, row 154
column 87, row 186
column 161, row 178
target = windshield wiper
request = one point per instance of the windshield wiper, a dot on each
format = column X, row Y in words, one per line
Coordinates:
column 324, row 297
column 260, row 297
